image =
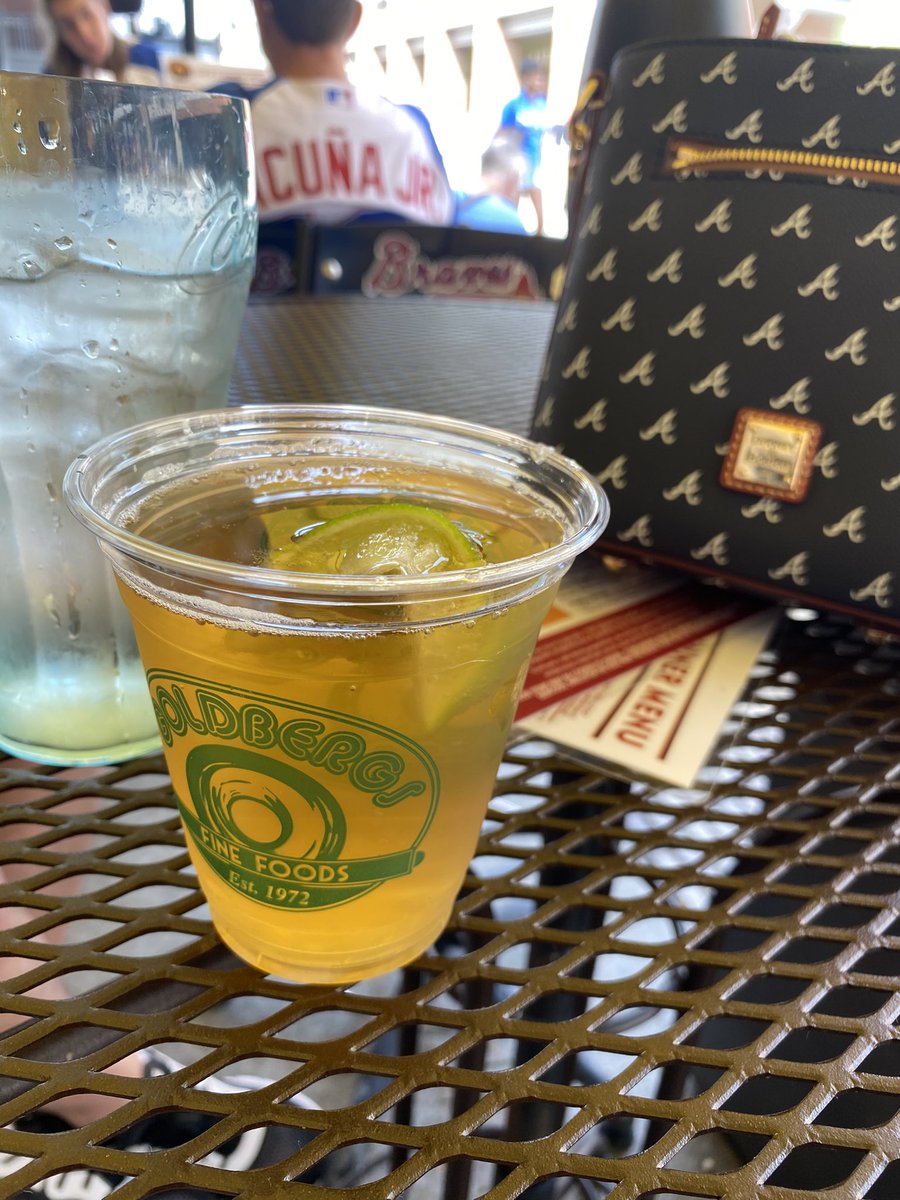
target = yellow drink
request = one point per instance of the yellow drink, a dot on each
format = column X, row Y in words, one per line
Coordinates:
column 332, row 741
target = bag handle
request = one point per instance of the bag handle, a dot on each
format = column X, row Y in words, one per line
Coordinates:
column 768, row 23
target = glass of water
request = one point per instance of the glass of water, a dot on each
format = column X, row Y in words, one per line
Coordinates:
column 126, row 249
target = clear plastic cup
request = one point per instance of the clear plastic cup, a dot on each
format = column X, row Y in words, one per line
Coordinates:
column 333, row 739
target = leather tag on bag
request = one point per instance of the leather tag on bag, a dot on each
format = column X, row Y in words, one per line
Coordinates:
column 771, row 455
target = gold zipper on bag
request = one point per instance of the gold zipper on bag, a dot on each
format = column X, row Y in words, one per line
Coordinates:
column 684, row 155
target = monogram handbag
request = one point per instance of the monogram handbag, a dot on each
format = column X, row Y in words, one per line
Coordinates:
column 726, row 356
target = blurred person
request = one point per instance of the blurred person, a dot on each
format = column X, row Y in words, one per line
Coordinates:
column 326, row 151
column 87, row 48
column 526, row 117
column 495, row 205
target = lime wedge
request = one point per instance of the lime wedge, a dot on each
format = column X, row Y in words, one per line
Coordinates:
column 380, row 539
column 278, row 529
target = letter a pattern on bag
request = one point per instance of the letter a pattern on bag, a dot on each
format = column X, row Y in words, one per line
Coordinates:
column 726, row 357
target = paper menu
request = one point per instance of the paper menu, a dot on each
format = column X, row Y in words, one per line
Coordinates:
column 639, row 669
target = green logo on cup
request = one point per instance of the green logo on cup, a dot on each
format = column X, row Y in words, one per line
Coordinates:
column 294, row 806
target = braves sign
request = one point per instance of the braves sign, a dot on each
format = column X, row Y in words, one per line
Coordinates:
column 399, row 268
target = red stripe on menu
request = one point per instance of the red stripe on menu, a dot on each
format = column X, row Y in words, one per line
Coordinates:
column 574, row 659
column 688, row 701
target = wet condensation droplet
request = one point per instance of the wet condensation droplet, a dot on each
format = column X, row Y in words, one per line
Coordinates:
column 74, row 628
column 64, row 243
column 32, row 269
column 23, row 149
column 17, row 126
column 112, row 243
column 52, row 492
column 52, row 612
column 91, row 349
column 113, row 343
column 49, row 134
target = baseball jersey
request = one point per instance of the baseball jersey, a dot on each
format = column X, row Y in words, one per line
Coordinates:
column 328, row 152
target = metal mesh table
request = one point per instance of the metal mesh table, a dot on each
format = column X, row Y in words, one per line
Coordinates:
column 477, row 359
column 643, row 992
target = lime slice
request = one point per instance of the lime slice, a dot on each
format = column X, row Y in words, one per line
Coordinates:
column 478, row 661
column 381, row 539
column 278, row 529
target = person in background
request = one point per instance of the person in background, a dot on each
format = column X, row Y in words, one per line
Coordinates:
column 87, row 48
column 495, row 204
column 526, row 117
column 326, row 151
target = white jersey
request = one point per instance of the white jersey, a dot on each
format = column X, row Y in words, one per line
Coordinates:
column 328, row 152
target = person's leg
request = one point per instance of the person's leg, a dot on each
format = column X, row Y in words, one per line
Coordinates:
column 538, row 201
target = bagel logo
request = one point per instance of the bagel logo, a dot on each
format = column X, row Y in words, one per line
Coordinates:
column 293, row 806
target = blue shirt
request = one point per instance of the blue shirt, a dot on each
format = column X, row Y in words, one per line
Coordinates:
column 488, row 211
column 143, row 54
column 528, row 116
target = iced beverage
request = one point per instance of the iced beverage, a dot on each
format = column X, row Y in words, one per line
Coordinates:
column 125, row 260
column 335, row 610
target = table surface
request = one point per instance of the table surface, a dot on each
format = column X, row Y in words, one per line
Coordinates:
column 477, row 359
column 643, row 991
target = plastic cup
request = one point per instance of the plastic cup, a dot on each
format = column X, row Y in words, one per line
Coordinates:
column 333, row 740
column 126, row 249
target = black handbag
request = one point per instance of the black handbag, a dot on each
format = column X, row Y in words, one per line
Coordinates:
column 726, row 356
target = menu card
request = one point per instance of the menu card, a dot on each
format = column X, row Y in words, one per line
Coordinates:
column 639, row 669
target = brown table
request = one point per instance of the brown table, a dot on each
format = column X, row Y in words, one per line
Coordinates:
column 642, row 991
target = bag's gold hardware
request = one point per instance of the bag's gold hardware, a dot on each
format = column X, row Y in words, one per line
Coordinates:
column 696, row 155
